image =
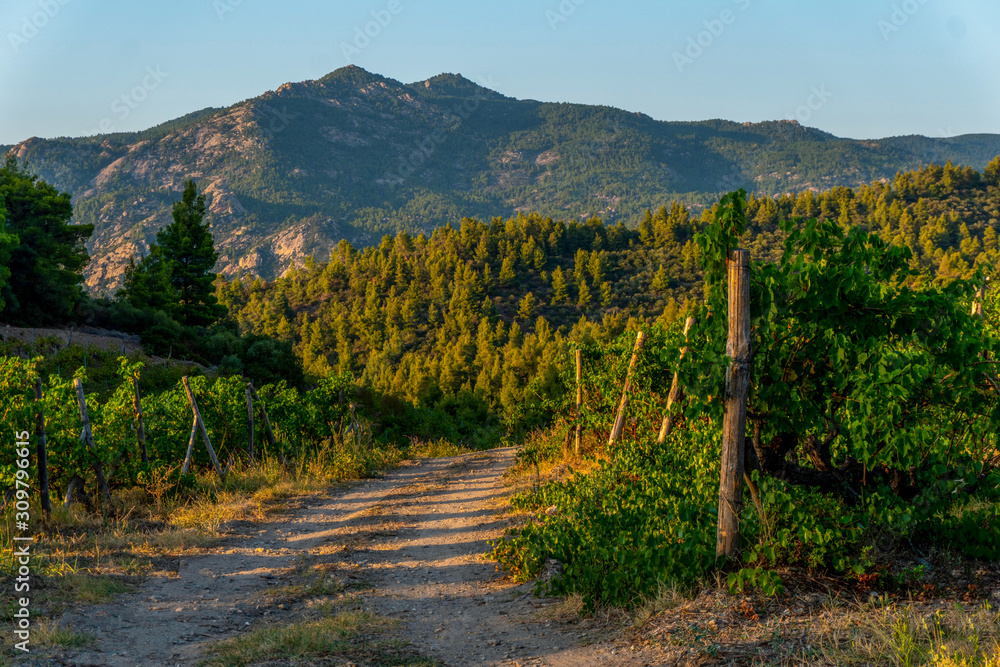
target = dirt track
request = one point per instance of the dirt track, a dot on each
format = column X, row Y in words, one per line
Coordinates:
column 413, row 543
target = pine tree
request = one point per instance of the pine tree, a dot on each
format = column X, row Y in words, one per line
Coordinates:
column 560, row 292
column 584, row 299
column 646, row 233
column 526, row 308
column 661, row 280
column 606, row 295
column 507, row 271
column 992, row 171
column 580, row 265
column 148, row 285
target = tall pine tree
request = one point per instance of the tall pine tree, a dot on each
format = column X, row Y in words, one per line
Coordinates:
column 177, row 275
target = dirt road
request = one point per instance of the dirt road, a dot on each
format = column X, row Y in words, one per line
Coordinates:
column 411, row 546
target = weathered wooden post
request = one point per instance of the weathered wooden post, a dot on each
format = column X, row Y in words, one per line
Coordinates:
column 619, row 423
column 190, row 449
column 43, row 465
column 735, row 421
column 204, row 432
column 267, row 422
column 249, row 424
column 978, row 300
column 676, row 392
column 87, row 436
column 140, row 428
column 579, row 401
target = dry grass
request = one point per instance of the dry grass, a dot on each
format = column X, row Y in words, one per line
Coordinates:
column 435, row 449
column 347, row 636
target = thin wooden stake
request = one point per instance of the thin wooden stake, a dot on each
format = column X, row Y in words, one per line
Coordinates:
column 619, row 423
column 190, row 449
column 579, row 401
column 43, row 465
column 87, row 436
column 676, row 392
column 204, row 433
column 734, row 424
column 249, row 424
column 140, row 427
column 267, row 422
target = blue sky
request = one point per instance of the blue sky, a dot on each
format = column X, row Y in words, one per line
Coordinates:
column 856, row 68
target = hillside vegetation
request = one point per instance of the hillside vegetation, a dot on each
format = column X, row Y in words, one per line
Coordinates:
column 354, row 155
column 478, row 318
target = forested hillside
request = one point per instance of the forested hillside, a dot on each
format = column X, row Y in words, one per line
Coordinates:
column 477, row 317
column 355, row 155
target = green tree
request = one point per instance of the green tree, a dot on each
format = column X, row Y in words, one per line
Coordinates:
column 147, row 284
column 660, row 280
column 8, row 242
column 560, row 292
column 176, row 276
column 992, row 171
column 585, row 298
column 526, row 308
column 507, row 271
column 646, row 233
column 46, row 265
column 189, row 249
column 606, row 294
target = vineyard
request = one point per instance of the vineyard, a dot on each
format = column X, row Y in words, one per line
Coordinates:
column 118, row 438
column 872, row 426
column 827, row 415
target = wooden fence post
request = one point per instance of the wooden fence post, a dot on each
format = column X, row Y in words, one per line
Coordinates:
column 267, row 422
column 43, row 464
column 190, row 449
column 619, row 423
column 140, row 426
column 201, row 424
column 249, row 424
column 735, row 421
column 676, row 392
column 978, row 300
column 87, row 436
column 579, row 400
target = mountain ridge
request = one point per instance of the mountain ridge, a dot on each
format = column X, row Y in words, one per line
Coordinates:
column 356, row 155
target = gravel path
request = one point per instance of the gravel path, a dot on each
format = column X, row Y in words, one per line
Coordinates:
column 413, row 545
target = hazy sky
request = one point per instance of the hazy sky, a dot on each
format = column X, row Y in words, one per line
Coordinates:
column 856, row 68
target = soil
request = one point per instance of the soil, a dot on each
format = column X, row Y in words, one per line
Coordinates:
column 86, row 337
column 410, row 546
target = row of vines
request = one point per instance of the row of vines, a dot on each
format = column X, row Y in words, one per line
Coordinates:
column 301, row 421
column 873, row 425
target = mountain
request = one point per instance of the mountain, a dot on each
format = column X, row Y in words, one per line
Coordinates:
column 355, row 155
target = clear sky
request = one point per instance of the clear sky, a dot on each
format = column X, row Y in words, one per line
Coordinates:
column 856, row 68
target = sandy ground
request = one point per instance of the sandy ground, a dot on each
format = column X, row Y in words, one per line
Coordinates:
column 412, row 543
